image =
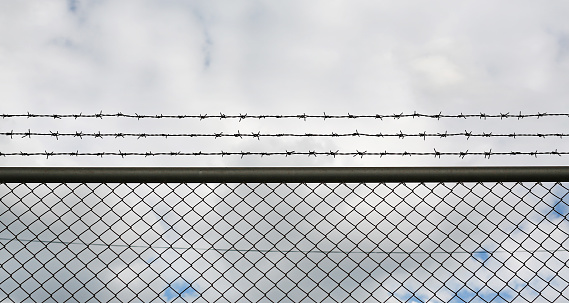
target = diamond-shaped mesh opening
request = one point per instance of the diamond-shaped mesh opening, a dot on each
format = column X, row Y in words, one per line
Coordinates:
column 289, row 242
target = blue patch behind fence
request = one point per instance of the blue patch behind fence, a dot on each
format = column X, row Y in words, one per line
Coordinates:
column 481, row 256
column 179, row 289
column 560, row 209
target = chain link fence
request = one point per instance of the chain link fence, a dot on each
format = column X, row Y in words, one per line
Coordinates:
column 485, row 241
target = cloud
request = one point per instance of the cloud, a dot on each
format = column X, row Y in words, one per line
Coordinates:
column 260, row 57
column 73, row 5
column 289, row 58
column 438, row 70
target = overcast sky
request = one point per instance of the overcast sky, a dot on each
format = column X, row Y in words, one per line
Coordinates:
column 283, row 57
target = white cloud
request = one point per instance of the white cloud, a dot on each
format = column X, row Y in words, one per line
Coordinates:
column 289, row 58
column 285, row 57
column 438, row 70
column 294, row 57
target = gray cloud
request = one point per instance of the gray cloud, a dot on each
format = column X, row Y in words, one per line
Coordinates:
column 289, row 58
column 292, row 57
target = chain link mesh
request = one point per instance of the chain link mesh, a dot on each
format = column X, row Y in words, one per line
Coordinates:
column 284, row 242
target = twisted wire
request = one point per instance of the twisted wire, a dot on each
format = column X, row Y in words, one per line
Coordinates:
column 303, row 116
column 258, row 135
column 357, row 153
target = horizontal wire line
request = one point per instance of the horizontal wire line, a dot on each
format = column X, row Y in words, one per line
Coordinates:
column 357, row 153
column 281, row 251
column 297, row 116
column 258, row 135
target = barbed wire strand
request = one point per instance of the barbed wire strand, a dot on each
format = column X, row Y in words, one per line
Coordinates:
column 357, row 153
column 258, row 135
column 303, row 116
column 518, row 250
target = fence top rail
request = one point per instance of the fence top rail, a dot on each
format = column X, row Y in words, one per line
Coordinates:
column 282, row 174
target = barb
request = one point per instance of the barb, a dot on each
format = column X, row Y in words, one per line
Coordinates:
column 258, row 135
column 357, row 153
column 303, row 116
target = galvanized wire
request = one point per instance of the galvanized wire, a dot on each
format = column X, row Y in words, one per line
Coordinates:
column 257, row 135
column 286, row 153
column 307, row 151
column 303, row 116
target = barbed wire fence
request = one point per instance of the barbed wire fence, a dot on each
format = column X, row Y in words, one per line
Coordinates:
column 416, row 241
column 486, row 154
column 303, row 116
column 259, row 135
column 309, row 152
